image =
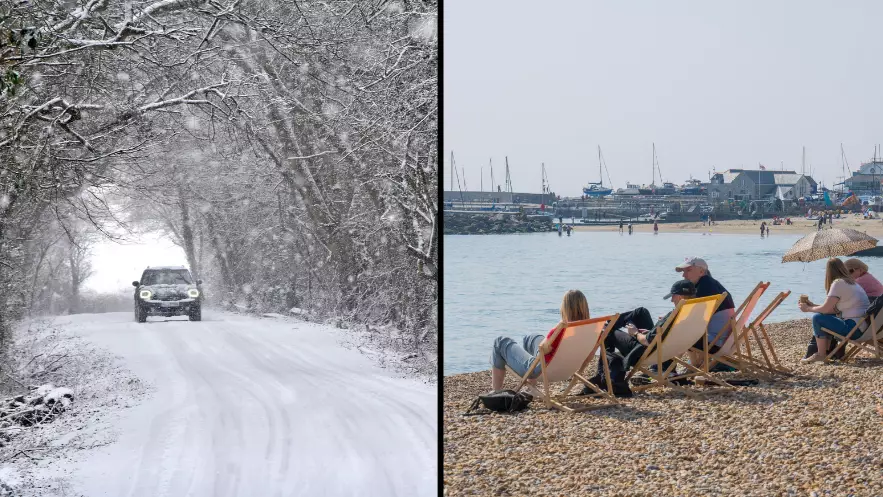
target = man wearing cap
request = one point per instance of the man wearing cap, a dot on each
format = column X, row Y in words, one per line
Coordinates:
column 696, row 270
column 631, row 342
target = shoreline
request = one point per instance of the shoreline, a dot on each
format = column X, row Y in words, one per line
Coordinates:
column 817, row 431
column 801, row 226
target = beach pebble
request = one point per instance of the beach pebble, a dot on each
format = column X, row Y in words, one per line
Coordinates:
column 819, row 432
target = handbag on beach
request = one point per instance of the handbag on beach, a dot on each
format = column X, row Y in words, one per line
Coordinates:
column 502, row 401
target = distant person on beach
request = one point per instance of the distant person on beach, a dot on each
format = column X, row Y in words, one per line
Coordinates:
column 845, row 304
column 625, row 346
column 859, row 272
column 696, row 270
column 821, row 220
column 630, row 228
column 762, row 228
column 620, row 225
column 519, row 356
column 655, row 228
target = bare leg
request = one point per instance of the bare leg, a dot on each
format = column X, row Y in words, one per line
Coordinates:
column 497, row 377
column 695, row 358
column 823, row 347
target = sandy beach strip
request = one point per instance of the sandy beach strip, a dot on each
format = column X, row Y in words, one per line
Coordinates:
column 873, row 227
column 817, row 433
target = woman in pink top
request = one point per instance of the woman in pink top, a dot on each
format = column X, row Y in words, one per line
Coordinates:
column 859, row 272
column 519, row 356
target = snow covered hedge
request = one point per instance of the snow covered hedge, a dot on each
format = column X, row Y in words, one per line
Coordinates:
column 289, row 148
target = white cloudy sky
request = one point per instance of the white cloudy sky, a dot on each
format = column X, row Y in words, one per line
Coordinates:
column 116, row 265
column 713, row 84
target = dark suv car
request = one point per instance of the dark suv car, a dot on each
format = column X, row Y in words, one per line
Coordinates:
column 167, row 291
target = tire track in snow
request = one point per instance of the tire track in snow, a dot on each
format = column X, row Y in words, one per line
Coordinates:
column 248, row 407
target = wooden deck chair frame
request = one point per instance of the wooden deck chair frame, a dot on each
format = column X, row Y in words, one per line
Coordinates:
column 874, row 345
column 736, row 328
column 875, row 323
column 578, row 376
column 767, row 361
column 663, row 378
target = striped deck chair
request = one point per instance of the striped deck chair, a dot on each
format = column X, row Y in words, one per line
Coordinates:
column 869, row 340
column 684, row 327
column 768, row 360
column 735, row 333
column 575, row 352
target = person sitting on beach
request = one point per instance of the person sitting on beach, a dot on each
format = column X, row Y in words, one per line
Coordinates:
column 519, row 357
column 696, row 270
column 858, row 270
column 631, row 342
column 844, row 297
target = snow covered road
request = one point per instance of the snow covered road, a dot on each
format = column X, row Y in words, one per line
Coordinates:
column 256, row 407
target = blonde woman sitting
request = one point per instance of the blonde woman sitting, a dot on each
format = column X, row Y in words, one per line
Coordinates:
column 846, row 298
column 519, row 356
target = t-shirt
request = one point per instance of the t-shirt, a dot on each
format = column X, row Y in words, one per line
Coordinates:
column 708, row 286
column 555, row 344
column 870, row 285
column 853, row 303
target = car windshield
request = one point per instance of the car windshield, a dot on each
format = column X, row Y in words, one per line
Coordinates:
column 166, row 277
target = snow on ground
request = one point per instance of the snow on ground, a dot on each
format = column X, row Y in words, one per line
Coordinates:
column 252, row 407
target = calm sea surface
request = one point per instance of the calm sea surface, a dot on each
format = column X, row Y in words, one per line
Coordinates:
column 512, row 284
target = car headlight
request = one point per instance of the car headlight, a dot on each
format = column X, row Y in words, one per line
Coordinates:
column 145, row 294
column 193, row 293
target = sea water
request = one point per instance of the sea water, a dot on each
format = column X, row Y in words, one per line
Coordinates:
column 512, row 284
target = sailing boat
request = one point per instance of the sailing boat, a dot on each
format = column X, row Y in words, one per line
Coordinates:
column 598, row 189
column 667, row 188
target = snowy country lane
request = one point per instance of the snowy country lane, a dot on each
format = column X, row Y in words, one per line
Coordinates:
column 256, row 407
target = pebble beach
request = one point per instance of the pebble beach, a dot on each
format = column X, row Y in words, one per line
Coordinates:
column 873, row 227
column 817, row 433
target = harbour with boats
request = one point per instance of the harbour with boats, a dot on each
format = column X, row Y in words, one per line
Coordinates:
column 735, row 193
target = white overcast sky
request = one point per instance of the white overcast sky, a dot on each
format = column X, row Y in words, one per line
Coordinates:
column 723, row 84
column 117, row 265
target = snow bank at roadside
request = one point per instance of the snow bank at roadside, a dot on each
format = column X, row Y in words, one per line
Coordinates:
column 386, row 346
column 49, row 422
column 392, row 349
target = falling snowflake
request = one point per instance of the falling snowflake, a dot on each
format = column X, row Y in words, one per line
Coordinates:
column 425, row 29
column 395, row 8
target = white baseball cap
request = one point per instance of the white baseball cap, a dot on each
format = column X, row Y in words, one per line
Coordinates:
column 690, row 262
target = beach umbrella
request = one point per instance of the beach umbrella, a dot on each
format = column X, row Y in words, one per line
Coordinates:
column 828, row 243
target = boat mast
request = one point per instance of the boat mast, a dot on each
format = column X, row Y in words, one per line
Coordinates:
column 600, row 172
column 452, row 170
column 508, row 179
column 544, row 183
column 654, row 166
column 491, row 161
